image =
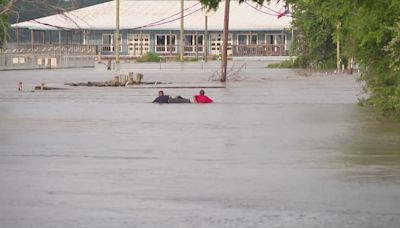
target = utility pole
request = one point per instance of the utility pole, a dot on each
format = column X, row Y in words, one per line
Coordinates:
column 17, row 35
column 32, row 43
column 205, row 38
column 116, row 37
column 338, row 48
column 182, row 39
column 224, row 61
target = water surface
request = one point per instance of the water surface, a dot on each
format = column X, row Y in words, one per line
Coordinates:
column 275, row 150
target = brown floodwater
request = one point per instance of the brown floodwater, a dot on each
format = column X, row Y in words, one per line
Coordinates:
column 276, row 149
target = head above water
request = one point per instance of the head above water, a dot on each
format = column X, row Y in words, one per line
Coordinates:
column 201, row 92
column 160, row 93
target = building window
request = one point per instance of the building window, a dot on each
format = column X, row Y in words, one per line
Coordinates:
column 253, row 39
column 247, row 39
column 108, row 42
column 277, row 43
column 194, row 42
column 274, row 39
column 138, row 44
column 216, row 43
column 242, row 39
column 165, row 43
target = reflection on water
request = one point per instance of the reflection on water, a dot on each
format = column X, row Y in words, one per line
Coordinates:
column 371, row 149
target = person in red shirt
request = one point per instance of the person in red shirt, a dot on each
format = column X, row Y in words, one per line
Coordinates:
column 202, row 98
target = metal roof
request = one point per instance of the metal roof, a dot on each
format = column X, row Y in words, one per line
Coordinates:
column 164, row 15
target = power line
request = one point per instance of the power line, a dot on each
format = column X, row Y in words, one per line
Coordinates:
column 268, row 8
column 260, row 10
column 166, row 22
column 158, row 22
column 277, row 14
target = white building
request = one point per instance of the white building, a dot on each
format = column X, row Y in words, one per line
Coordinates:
column 154, row 26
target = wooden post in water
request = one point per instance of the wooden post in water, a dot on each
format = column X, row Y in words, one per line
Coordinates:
column 224, row 61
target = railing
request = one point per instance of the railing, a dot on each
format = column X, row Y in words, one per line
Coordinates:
column 37, row 56
column 136, row 50
column 260, row 50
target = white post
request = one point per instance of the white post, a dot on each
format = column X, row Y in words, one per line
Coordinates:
column 116, row 38
column 182, row 38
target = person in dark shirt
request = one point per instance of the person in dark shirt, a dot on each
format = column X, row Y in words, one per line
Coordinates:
column 161, row 97
column 202, row 98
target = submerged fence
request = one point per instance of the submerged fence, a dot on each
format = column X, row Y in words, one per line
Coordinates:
column 47, row 56
column 260, row 50
column 198, row 51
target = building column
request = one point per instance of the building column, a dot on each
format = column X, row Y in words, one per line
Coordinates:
column 84, row 37
column 32, row 38
column 32, row 43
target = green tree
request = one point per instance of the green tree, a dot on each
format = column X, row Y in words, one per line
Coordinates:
column 5, row 8
column 316, row 22
column 369, row 31
column 377, row 32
